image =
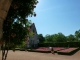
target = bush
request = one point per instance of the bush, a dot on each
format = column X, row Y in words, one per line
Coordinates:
column 60, row 44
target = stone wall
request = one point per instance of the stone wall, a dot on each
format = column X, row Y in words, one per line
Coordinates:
column 4, row 7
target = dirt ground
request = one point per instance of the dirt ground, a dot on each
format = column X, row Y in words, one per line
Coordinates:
column 22, row 55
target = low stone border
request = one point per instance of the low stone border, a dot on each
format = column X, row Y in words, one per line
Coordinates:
column 68, row 53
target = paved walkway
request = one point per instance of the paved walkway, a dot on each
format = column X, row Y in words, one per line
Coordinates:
column 22, row 55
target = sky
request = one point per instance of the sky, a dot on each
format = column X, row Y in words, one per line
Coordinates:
column 54, row 16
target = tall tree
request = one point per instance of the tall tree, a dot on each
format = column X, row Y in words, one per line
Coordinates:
column 41, row 38
column 59, row 37
column 15, row 26
column 55, row 38
column 71, row 38
column 77, row 34
column 48, row 38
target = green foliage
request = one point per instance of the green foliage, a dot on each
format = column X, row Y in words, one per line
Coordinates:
column 22, row 45
column 55, row 38
column 71, row 38
column 22, row 8
column 15, row 27
column 60, row 40
column 48, row 38
column 41, row 38
column 77, row 34
column 31, row 33
column 60, row 44
column 59, row 37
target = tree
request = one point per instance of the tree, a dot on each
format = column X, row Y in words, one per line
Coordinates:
column 77, row 34
column 58, row 37
column 55, row 38
column 61, row 38
column 48, row 38
column 41, row 38
column 71, row 38
column 15, row 27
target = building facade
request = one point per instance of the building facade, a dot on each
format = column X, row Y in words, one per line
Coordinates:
column 32, row 41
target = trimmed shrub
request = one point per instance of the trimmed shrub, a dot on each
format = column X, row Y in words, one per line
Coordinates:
column 60, row 44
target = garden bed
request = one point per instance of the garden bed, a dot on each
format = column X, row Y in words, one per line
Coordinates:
column 68, row 51
column 41, row 49
column 46, row 49
column 58, row 48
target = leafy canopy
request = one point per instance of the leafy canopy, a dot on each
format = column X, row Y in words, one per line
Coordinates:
column 15, row 27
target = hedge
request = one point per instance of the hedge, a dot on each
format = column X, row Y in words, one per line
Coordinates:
column 60, row 44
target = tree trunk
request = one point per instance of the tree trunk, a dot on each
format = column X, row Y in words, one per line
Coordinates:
column 4, row 51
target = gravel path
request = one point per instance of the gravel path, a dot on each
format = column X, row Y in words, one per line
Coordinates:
column 22, row 55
